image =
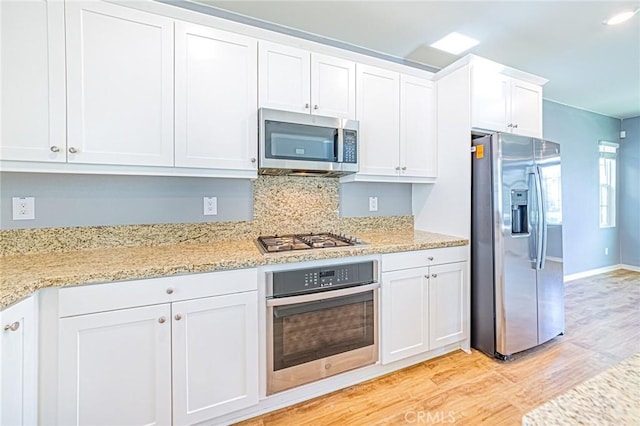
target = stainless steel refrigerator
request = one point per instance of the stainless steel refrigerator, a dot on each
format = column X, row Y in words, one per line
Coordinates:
column 517, row 294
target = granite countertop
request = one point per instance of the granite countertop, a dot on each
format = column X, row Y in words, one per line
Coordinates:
column 612, row 397
column 21, row 275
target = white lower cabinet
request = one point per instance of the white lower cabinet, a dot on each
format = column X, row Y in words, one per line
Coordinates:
column 18, row 366
column 115, row 367
column 180, row 362
column 215, row 356
column 425, row 301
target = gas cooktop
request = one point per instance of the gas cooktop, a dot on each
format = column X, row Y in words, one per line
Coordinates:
column 280, row 243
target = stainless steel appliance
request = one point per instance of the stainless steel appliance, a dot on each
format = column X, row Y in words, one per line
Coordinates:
column 280, row 243
column 321, row 321
column 293, row 143
column 517, row 294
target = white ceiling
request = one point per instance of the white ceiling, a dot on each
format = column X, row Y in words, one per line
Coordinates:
column 589, row 65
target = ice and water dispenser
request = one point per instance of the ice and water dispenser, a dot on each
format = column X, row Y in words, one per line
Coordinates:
column 519, row 213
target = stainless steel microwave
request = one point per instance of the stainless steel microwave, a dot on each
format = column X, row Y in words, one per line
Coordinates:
column 293, row 143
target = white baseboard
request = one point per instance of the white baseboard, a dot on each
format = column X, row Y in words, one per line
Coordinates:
column 630, row 267
column 591, row 272
column 554, row 259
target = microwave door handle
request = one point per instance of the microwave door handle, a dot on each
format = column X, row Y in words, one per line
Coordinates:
column 340, row 156
column 324, row 295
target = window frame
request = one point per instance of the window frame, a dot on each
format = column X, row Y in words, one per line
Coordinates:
column 607, row 183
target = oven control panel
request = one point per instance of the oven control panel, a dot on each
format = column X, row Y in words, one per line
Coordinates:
column 300, row 281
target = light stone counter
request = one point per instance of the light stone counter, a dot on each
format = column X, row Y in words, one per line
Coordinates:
column 23, row 274
column 610, row 398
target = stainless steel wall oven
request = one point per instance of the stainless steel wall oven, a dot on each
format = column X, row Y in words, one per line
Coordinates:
column 320, row 322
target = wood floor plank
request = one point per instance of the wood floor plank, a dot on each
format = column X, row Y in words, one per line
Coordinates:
column 602, row 327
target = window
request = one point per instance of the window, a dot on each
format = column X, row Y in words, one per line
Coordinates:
column 607, row 164
column 551, row 185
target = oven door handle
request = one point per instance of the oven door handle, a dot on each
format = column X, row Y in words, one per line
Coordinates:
column 324, row 295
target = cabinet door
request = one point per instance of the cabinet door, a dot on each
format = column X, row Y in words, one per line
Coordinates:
column 115, row 368
column 490, row 109
column 216, row 98
column 418, row 146
column 215, row 356
column 448, row 304
column 120, row 86
column 32, row 81
column 378, row 109
column 18, row 377
column 404, row 314
column 284, row 78
column 526, row 108
column 333, row 86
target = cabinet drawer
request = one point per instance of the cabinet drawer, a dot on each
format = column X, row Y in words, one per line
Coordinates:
column 416, row 259
column 124, row 294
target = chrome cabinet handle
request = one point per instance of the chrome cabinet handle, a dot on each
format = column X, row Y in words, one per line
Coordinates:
column 397, row 167
column 510, row 125
column 73, row 150
column 178, row 317
column 515, row 126
column 54, row 149
column 12, row 327
column 161, row 320
column 430, row 258
column 434, row 275
column 169, row 291
column 404, row 168
column 306, row 106
column 315, row 107
column 426, row 276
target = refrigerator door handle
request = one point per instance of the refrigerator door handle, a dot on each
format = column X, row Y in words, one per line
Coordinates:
column 540, row 216
column 542, row 222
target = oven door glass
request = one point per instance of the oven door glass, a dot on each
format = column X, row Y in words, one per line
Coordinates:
column 300, row 142
column 314, row 330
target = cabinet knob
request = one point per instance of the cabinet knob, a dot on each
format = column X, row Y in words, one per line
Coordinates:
column 55, row 149
column 73, row 150
column 397, row 167
column 306, row 106
column 253, row 160
column 426, row 276
column 178, row 317
column 169, row 291
column 315, row 107
column 434, row 275
column 12, row 327
column 515, row 126
column 404, row 168
column 430, row 258
column 161, row 320
column 510, row 125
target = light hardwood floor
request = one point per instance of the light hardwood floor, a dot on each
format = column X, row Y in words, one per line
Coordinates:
column 602, row 328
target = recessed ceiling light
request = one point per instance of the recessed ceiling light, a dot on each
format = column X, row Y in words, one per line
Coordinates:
column 620, row 17
column 455, row 43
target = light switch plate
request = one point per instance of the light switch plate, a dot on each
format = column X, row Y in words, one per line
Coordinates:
column 24, row 208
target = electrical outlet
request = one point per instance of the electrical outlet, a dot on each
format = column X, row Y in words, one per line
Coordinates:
column 373, row 204
column 606, row 251
column 24, row 208
column 210, row 206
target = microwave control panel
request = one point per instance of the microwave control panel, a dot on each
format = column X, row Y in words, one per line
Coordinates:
column 350, row 150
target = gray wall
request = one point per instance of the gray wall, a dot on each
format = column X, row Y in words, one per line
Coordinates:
column 629, row 213
column 82, row 200
column 578, row 132
column 394, row 199
column 90, row 200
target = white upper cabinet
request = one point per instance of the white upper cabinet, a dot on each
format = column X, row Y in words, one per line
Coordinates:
column 215, row 98
column 505, row 104
column 32, row 81
column 418, row 145
column 297, row 80
column 120, row 85
column 397, row 139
